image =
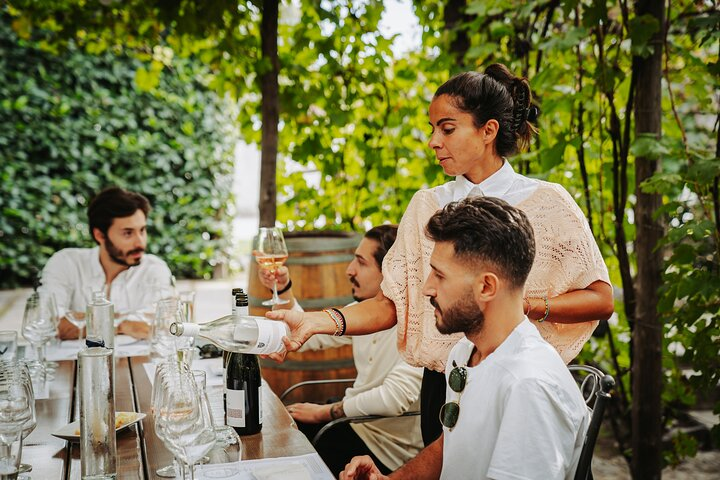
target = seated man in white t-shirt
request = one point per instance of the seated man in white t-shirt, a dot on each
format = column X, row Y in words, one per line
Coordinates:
column 131, row 279
column 385, row 384
column 513, row 410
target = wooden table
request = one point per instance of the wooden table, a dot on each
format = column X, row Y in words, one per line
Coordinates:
column 139, row 450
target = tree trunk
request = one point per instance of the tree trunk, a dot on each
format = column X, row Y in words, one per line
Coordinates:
column 455, row 21
column 715, row 192
column 270, row 112
column 647, row 334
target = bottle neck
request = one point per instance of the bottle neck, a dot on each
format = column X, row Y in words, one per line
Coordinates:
column 190, row 330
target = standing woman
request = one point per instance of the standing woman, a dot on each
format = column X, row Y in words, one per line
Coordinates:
column 478, row 120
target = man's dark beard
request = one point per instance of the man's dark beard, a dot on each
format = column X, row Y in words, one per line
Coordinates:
column 463, row 316
column 356, row 285
column 116, row 255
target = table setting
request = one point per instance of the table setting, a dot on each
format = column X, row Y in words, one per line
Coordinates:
column 155, row 436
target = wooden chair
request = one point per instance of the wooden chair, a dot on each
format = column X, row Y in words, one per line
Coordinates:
column 333, row 423
column 595, row 387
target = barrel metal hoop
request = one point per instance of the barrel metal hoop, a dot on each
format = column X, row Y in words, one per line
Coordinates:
column 309, row 303
column 320, row 303
column 325, row 259
column 320, row 244
column 297, row 365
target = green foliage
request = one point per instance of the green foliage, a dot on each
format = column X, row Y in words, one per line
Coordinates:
column 351, row 112
column 353, row 127
column 581, row 64
column 73, row 124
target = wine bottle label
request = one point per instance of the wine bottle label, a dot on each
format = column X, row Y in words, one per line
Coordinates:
column 269, row 340
column 235, row 407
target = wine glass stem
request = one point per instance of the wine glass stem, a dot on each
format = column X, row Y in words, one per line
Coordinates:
column 40, row 353
column 187, row 470
column 276, row 297
column 5, row 450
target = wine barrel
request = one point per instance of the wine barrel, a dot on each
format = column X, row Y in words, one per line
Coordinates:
column 317, row 261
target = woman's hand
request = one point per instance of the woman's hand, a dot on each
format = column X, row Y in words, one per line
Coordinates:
column 299, row 324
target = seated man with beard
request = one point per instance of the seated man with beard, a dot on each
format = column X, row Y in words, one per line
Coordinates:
column 513, row 410
column 385, row 384
column 131, row 279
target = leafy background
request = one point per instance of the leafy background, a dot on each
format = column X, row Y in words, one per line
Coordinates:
column 73, row 124
column 353, row 128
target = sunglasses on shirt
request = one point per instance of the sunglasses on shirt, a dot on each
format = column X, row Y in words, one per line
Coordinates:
column 450, row 412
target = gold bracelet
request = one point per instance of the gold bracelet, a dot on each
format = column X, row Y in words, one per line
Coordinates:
column 334, row 317
column 526, row 299
column 547, row 309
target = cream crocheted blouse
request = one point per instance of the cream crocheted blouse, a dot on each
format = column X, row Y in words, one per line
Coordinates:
column 567, row 258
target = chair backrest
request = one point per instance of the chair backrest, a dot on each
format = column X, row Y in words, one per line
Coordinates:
column 595, row 387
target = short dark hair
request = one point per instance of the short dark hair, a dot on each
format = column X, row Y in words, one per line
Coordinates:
column 384, row 235
column 112, row 203
column 487, row 230
column 496, row 94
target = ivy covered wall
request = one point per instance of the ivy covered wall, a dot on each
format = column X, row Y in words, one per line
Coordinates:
column 73, row 124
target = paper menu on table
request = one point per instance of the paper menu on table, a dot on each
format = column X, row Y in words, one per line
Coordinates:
column 302, row 467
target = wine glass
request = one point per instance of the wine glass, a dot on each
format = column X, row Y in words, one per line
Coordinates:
column 162, row 343
column 227, row 448
column 271, row 253
column 17, row 400
column 182, row 421
column 78, row 318
column 40, row 322
column 168, row 471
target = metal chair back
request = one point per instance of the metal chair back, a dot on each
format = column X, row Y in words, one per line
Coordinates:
column 595, row 387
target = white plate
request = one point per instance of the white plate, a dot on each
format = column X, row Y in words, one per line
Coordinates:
column 70, row 431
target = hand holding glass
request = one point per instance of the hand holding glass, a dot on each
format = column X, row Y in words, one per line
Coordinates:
column 271, row 253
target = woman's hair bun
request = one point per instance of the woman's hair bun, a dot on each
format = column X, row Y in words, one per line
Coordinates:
column 524, row 113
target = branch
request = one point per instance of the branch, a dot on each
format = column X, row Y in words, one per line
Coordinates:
column 699, row 13
column 666, row 74
column 581, row 128
column 619, row 185
column 551, row 11
column 676, row 115
column 715, row 193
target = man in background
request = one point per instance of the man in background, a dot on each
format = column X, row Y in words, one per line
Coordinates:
column 385, row 384
column 131, row 279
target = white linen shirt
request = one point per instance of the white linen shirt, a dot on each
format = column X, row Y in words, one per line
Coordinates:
column 72, row 273
column 522, row 415
column 385, row 385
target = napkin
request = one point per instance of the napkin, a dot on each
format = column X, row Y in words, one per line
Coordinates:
column 286, row 471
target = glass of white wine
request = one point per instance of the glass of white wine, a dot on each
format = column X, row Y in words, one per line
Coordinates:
column 271, row 253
